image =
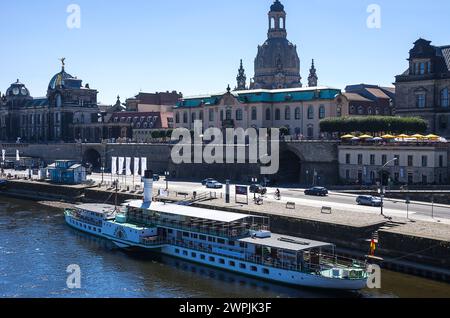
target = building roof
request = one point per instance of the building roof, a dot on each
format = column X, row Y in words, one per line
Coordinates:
column 286, row 242
column 378, row 93
column 264, row 96
column 356, row 97
column 188, row 211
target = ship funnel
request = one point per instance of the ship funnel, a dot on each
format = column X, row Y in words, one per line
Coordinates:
column 148, row 186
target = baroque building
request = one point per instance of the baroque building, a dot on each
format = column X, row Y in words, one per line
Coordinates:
column 277, row 64
column 50, row 118
column 423, row 89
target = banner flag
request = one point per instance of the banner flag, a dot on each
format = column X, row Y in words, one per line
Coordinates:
column 128, row 166
column 114, row 165
column 136, row 167
column 121, row 162
column 143, row 166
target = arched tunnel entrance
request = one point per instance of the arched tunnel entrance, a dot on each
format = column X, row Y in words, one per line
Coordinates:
column 93, row 158
column 290, row 168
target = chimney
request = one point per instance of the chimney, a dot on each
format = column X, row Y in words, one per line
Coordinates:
column 148, row 186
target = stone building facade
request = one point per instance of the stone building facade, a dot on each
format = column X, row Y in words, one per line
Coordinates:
column 47, row 119
column 423, row 89
column 418, row 163
column 370, row 100
column 298, row 109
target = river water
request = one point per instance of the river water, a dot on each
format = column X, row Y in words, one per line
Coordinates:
column 36, row 247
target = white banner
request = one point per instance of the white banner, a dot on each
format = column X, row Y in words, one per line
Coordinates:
column 121, row 162
column 17, row 155
column 128, row 166
column 136, row 167
column 114, row 165
column 143, row 166
column 3, row 155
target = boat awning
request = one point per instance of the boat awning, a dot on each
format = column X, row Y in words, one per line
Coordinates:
column 285, row 242
column 188, row 211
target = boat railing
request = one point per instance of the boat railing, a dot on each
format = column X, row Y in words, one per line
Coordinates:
column 233, row 232
column 74, row 214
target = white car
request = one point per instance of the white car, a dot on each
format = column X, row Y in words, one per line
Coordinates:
column 214, row 185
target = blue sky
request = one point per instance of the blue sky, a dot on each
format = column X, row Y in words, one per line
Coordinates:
column 124, row 47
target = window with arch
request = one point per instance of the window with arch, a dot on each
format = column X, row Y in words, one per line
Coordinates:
column 277, row 114
column 310, row 131
column 239, row 115
column 321, row 112
column 421, row 100
column 194, row 117
column 298, row 114
column 370, row 111
column 201, row 115
column 211, row 114
column 444, row 98
column 281, row 23
column 339, row 111
column 185, row 117
column 254, row 114
column 360, row 110
column 268, row 114
column 352, row 110
column 310, row 112
column 228, row 114
column 287, row 113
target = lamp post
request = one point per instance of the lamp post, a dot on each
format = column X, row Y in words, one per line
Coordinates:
column 103, row 170
column 254, row 181
column 381, row 184
column 167, row 174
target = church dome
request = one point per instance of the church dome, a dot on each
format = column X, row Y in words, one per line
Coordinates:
column 277, row 7
column 17, row 89
column 58, row 79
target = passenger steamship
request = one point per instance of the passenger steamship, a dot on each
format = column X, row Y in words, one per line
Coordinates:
column 235, row 242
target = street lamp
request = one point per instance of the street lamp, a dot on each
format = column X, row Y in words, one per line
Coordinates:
column 254, row 181
column 103, row 170
column 167, row 174
column 381, row 183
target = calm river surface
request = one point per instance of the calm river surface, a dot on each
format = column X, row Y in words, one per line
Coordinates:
column 36, row 246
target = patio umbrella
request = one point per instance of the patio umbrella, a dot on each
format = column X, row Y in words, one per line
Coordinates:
column 366, row 137
column 402, row 136
column 388, row 137
column 355, row 139
column 377, row 139
column 432, row 137
column 347, row 137
column 418, row 136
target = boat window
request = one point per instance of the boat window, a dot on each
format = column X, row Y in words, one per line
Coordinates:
column 254, row 268
column 185, row 253
column 232, row 263
column 221, row 241
column 203, row 257
column 194, row 255
column 194, row 236
column 203, row 237
column 243, row 266
column 177, row 251
column 221, row 261
column 231, row 243
column 265, row 271
column 212, row 259
column 185, row 234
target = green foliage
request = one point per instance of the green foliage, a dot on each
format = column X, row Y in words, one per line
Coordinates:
column 155, row 134
column 374, row 125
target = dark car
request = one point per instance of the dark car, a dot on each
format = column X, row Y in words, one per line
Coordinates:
column 317, row 191
column 204, row 182
column 257, row 188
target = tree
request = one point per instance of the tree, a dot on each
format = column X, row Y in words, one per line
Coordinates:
column 155, row 134
column 374, row 125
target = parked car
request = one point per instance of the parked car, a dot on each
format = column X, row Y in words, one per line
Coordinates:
column 317, row 191
column 368, row 200
column 214, row 185
column 204, row 182
column 257, row 188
